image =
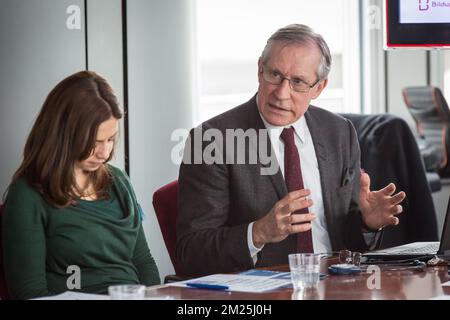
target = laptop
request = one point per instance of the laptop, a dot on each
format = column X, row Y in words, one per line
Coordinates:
column 416, row 250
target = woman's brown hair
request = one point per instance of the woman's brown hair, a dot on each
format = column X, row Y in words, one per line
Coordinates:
column 65, row 132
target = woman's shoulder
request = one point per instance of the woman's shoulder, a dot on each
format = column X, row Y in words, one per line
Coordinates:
column 21, row 188
column 23, row 198
column 116, row 172
column 121, row 181
column 119, row 176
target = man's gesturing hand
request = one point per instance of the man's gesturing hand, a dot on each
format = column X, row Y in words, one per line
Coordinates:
column 379, row 208
column 280, row 222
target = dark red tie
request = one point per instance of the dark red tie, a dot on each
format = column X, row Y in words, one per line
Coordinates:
column 294, row 181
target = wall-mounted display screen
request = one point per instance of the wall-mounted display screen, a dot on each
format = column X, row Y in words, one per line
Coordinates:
column 417, row 23
column 424, row 11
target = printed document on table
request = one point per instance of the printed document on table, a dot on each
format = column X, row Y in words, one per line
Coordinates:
column 255, row 281
column 72, row 295
column 443, row 297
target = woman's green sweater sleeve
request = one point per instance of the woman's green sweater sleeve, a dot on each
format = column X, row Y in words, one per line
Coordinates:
column 144, row 262
column 24, row 246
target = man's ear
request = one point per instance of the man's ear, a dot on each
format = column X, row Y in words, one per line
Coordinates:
column 318, row 89
column 260, row 70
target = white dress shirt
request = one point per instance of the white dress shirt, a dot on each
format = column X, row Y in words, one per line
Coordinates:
column 311, row 181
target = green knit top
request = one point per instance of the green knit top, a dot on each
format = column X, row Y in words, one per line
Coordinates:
column 45, row 247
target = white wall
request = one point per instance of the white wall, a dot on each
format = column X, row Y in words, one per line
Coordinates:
column 160, row 100
column 405, row 68
column 37, row 51
column 105, row 53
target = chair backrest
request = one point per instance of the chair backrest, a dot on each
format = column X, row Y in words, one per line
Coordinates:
column 3, row 288
column 389, row 153
column 165, row 205
column 430, row 111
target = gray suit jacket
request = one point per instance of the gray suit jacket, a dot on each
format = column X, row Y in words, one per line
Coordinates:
column 216, row 202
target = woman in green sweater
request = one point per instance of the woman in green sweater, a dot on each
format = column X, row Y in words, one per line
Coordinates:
column 72, row 221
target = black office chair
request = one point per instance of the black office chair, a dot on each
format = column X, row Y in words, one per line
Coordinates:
column 430, row 111
column 389, row 153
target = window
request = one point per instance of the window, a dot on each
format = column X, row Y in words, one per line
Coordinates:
column 232, row 34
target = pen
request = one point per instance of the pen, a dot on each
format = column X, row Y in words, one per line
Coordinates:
column 207, row 286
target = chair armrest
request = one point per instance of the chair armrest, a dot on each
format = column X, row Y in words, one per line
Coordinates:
column 434, row 181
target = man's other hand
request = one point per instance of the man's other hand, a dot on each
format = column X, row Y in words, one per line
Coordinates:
column 280, row 222
column 379, row 208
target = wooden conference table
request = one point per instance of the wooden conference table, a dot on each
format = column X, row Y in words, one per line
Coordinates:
column 394, row 285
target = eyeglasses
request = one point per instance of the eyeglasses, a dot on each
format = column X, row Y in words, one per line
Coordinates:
column 348, row 257
column 296, row 84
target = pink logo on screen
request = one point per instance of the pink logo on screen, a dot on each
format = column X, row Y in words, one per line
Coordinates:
column 424, row 5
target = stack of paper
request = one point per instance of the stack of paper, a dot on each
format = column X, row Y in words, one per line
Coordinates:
column 249, row 281
column 72, row 295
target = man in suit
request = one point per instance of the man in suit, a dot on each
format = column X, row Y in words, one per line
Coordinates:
column 234, row 216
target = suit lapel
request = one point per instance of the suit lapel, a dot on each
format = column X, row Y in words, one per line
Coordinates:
column 276, row 179
column 320, row 142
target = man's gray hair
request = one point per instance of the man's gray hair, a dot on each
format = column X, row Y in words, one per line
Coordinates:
column 303, row 35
